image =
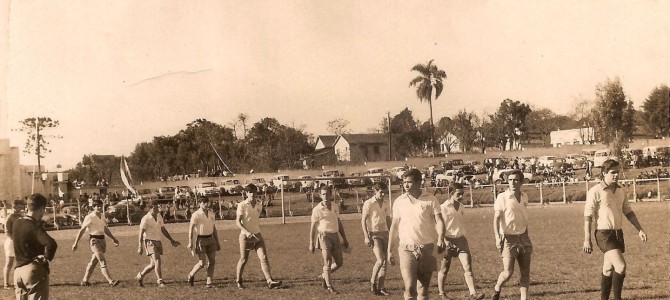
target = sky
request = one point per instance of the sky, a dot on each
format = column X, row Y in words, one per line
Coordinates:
column 119, row 72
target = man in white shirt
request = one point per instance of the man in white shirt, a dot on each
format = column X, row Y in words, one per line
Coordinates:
column 417, row 227
column 606, row 204
column 323, row 234
column 456, row 243
column 97, row 229
column 207, row 242
column 151, row 228
column 510, row 226
column 375, row 220
column 248, row 213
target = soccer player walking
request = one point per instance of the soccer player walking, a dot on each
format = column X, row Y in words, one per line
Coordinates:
column 510, row 226
column 417, row 227
column 376, row 220
column 207, row 241
column 248, row 213
column 456, row 243
column 34, row 249
column 96, row 225
column 606, row 204
column 151, row 228
column 326, row 222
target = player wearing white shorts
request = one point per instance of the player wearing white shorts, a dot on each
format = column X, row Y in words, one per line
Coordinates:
column 97, row 229
column 151, row 228
column 376, row 220
column 455, row 242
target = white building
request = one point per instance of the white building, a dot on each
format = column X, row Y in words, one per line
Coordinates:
column 578, row 136
column 449, row 143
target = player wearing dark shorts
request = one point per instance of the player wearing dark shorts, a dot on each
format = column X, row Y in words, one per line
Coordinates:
column 606, row 204
column 151, row 228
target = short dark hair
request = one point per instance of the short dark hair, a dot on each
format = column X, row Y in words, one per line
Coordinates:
column 203, row 199
column 152, row 203
column 379, row 186
column 36, row 201
column 16, row 202
column 515, row 172
column 325, row 188
column 455, row 186
column 251, row 188
column 97, row 203
column 609, row 165
column 414, row 174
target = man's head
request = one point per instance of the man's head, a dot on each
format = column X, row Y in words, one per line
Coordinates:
column 153, row 206
column 203, row 202
column 97, row 205
column 250, row 190
column 380, row 190
column 36, row 204
column 515, row 179
column 326, row 193
column 411, row 180
column 456, row 190
column 610, row 171
column 18, row 205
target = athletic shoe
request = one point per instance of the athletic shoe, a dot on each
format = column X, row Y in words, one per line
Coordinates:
column 161, row 283
column 323, row 282
column 191, row 280
column 382, row 292
column 496, row 295
column 240, row 285
column 139, row 280
column 274, row 284
column 6, row 287
column 373, row 288
column 479, row 296
column 114, row 283
column 332, row 290
column 210, row 286
column 85, row 283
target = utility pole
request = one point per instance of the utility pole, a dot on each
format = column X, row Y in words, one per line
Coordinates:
column 388, row 118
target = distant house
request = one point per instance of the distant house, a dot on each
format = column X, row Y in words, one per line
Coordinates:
column 577, row 136
column 361, row 147
column 449, row 143
column 325, row 141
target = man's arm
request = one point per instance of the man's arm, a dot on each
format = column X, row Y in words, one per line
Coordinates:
column 167, row 235
column 190, row 235
column 140, row 240
column 109, row 233
column 364, row 224
column 49, row 243
column 393, row 237
column 440, row 232
column 240, row 225
column 496, row 229
column 345, row 243
column 588, row 246
column 216, row 237
column 312, row 231
column 633, row 220
column 76, row 240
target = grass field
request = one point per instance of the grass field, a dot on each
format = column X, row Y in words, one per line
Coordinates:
column 559, row 269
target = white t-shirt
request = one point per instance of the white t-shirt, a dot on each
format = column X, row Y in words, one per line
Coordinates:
column 453, row 219
column 513, row 212
column 327, row 218
column 95, row 225
column 204, row 224
column 607, row 206
column 250, row 216
column 416, row 218
column 152, row 227
column 376, row 214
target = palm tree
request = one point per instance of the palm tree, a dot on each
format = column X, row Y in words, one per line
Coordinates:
column 430, row 77
column 243, row 119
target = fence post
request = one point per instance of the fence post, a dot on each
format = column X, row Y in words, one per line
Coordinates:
column 541, row 195
column 658, row 187
column 494, row 192
column 283, row 215
column 635, row 190
column 587, row 187
column 472, row 202
column 564, row 199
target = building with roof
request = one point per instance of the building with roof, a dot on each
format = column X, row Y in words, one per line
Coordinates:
column 577, row 136
column 358, row 148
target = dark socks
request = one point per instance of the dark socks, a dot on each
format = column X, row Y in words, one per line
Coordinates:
column 605, row 287
column 617, row 284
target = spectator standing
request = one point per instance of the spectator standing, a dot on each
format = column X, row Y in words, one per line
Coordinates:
column 18, row 206
column 34, row 249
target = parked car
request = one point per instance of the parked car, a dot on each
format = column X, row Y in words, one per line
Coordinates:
column 399, row 171
column 207, row 189
column 58, row 220
column 546, row 161
column 165, row 192
column 331, row 178
column 578, row 161
column 375, row 172
column 289, row 185
column 528, row 160
column 456, row 162
column 306, row 185
column 476, row 166
column 231, row 187
column 119, row 213
column 445, row 178
column 355, row 182
column 185, row 192
column 146, row 195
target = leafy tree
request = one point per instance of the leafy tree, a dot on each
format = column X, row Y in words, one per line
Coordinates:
column 338, row 126
column 429, row 79
column 541, row 122
column 407, row 139
column 583, row 119
column 613, row 115
column 36, row 141
column 464, row 129
column 509, row 122
column 274, row 146
column 656, row 112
